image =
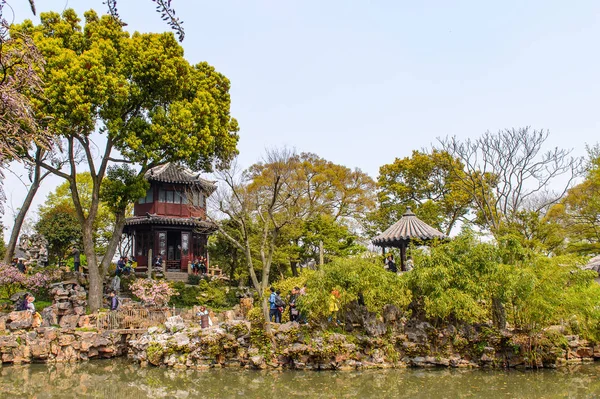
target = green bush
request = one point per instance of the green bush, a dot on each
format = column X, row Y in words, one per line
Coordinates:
column 194, row 279
column 351, row 277
column 459, row 281
column 213, row 295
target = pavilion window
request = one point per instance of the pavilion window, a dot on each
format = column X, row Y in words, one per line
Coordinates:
column 172, row 197
column 148, row 199
column 198, row 199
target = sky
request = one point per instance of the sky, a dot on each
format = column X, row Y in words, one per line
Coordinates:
column 361, row 83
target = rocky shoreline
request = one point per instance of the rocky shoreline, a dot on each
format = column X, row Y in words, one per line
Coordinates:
column 291, row 346
column 57, row 345
column 367, row 341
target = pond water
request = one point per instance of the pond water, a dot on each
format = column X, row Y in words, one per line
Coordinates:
column 116, row 379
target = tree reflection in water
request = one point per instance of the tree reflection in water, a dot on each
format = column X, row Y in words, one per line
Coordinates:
column 117, row 379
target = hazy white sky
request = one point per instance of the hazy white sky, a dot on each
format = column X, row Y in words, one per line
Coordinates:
column 362, row 82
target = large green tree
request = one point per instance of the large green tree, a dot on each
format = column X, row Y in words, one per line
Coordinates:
column 60, row 202
column 59, row 225
column 579, row 211
column 115, row 97
column 428, row 183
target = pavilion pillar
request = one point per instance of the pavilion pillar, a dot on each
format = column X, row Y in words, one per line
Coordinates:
column 402, row 256
column 150, row 263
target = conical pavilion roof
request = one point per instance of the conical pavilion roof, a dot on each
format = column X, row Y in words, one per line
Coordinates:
column 408, row 227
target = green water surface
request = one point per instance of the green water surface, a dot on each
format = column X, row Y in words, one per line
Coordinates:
column 119, row 379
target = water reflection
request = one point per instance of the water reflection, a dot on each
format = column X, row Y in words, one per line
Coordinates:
column 119, row 379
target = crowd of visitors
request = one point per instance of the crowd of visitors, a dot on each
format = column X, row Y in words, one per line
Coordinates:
column 277, row 305
column 391, row 266
column 199, row 266
column 125, row 266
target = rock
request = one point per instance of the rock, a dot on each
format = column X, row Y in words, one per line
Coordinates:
column 84, row 322
column 390, row 313
column 585, row 351
column 228, row 315
column 258, row 361
column 19, row 320
column 287, row 327
column 373, row 326
column 69, row 321
column 174, row 324
column 49, row 317
column 64, row 306
column 79, row 310
column 181, row 339
column 15, row 297
column 486, row 359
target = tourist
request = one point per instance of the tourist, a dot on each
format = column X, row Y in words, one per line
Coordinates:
column 158, row 261
column 120, row 266
column 30, row 304
column 130, row 265
column 280, row 304
column 22, row 302
column 204, row 315
column 302, row 315
column 303, row 290
column 21, row 266
column 76, row 259
column 409, row 263
column 196, row 267
column 272, row 305
column 202, row 265
column 114, row 300
column 115, row 284
column 391, row 264
column 334, row 306
column 294, row 312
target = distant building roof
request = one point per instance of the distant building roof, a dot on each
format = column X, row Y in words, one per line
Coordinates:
column 408, row 227
column 203, row 226
column 177, row 174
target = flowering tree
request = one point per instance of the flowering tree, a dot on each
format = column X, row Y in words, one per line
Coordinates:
column 152, row 292
column 13, row 281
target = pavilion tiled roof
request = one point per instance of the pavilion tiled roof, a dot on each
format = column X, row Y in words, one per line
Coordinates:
column 408, row 227
column 203, row 225
column 177, row 174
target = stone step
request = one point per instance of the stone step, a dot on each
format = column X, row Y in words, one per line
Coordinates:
column 176, row 276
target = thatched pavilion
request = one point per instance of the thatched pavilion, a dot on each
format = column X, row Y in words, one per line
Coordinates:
column 409, row 227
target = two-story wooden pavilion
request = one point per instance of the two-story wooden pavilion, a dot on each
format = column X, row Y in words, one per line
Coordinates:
column 171, row 219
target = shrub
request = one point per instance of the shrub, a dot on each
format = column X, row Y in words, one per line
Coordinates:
column 194, row 279
column 13, row 281
column 211, row 294
column 152, row 292
column 459, row 281
column 351, row 277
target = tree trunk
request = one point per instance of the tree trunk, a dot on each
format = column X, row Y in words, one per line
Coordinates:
column 16, row 230
column 294, row 266
column 96, row 279
column 114, row 242
column 498, row 313
column 266, row 307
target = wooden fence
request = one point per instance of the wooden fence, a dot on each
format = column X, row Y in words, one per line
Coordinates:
column 134, row 318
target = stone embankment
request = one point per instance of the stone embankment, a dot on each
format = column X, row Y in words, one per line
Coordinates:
column 53, row 344
column 236, row 343
column 64, row 333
